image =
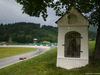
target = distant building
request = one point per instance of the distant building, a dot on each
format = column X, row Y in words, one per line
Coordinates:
column 35, row 40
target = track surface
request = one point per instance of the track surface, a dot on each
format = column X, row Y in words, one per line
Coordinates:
column 14, row 59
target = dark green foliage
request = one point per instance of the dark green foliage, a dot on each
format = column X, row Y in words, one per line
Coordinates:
column 93, row 28
column 92, row 35
column 92, row 32
column 36, row 7
column 25, row 32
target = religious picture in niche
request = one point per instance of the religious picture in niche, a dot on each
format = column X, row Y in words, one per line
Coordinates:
column 72, row 45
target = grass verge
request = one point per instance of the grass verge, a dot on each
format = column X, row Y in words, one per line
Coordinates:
column 7, row 52
column 91, row 47
column 45, row 64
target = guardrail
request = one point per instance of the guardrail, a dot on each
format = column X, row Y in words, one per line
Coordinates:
column 38, row 44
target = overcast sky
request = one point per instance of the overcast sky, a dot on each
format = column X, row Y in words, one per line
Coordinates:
column 10, row 12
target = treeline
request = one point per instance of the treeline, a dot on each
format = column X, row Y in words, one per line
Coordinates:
column 92, row 32
column 92, row 35
column 23, row 32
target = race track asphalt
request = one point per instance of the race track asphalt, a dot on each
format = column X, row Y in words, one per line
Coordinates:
column 14, row 59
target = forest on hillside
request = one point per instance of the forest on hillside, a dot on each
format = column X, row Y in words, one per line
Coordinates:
column 23, row 32
column 92, row 32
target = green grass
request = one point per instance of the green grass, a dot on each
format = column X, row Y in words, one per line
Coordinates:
column 7, row 52
column 91, row 47
column 45, row 64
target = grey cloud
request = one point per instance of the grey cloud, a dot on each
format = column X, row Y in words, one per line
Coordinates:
column 10, row 12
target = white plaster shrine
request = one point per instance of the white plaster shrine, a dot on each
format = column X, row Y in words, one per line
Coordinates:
column 72, row 40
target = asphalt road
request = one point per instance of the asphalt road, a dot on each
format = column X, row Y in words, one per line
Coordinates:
column 14, row 59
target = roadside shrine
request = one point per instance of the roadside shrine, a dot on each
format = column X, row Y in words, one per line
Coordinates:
column 72, row 40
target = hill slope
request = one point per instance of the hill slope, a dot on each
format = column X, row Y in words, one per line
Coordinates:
column 25, row 32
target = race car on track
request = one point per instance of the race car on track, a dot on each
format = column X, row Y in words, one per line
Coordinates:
column 22, row 58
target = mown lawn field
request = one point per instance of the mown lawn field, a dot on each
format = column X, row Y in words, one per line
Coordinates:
column 45, row 64
column 7, row 52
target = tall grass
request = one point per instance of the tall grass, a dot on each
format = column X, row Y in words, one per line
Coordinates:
column 45, row 64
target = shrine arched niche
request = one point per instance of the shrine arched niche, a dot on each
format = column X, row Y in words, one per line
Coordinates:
column 72, row 44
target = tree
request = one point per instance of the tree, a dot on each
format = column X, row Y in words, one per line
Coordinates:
column 38, row 7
